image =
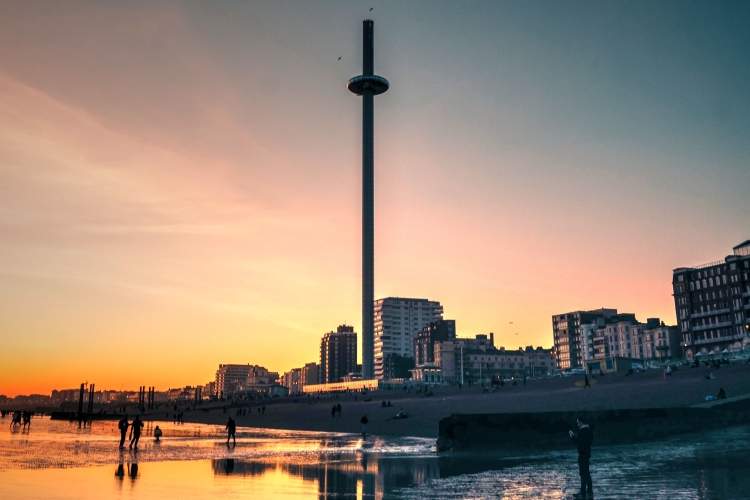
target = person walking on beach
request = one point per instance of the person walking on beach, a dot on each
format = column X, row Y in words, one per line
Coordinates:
column 583, row 439
column 338, row 409
column 586, row 381
column 364, row 423
column 123, row 426
column 135, row 431
column 333, row 411
column 231, row 429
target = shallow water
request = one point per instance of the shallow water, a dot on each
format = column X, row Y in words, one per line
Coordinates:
column 59, row 460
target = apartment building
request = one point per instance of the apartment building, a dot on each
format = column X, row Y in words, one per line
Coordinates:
column 338, row 355
column 397, row 323
column 712, row 303
column 566, row 330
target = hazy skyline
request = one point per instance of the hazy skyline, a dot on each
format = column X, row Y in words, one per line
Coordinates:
column 180, row 183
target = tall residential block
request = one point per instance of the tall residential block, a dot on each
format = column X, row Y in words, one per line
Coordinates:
column 712, row 303
column 398, row 322
column 338, row 355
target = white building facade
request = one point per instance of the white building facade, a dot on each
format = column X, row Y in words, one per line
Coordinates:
column 397, row 323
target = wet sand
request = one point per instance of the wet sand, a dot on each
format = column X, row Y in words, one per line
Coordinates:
column 641, row 390
column 85, row 464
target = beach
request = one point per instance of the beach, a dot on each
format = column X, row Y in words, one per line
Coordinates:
column 685, row 387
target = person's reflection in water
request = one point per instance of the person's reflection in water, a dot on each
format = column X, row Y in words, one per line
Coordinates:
column 120, row 474
column 229, row 466
column 133, row 471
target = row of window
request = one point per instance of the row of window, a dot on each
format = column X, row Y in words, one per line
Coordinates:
column 696, row 285
column 714, row 271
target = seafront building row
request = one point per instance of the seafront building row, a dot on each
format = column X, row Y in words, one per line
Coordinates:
column 601, row 334
column 712, row 306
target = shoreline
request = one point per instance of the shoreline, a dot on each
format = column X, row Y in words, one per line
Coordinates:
column 614, row 391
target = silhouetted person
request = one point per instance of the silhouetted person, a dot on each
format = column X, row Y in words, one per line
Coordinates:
column 364, row 423
column 338, row 409
column 157, row 433
column 583, row 439
column 264, row 411
column 135, row 433
column 231, row 429
column 123, row 426
column 586, row 381
column 15, row 419
column 722, row 394
column 333, row 411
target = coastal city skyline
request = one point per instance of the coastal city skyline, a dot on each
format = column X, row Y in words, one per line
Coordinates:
column 148, row 235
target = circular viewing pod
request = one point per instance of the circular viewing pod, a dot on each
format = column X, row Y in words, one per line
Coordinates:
column 359, row 84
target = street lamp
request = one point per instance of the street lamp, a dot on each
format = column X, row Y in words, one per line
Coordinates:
column 462, row 364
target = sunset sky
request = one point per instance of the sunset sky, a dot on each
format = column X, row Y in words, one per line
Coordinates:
column 180, row 181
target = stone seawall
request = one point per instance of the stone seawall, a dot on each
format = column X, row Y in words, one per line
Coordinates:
column 550, row 429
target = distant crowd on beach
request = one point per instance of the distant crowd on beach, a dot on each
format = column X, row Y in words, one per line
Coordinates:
column 19, row 418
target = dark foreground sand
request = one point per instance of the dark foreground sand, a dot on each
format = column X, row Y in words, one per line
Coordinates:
column 641, row 390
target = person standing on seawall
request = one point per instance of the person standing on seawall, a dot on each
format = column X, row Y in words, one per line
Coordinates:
column 583, row 439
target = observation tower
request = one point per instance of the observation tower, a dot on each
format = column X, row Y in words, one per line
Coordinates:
column 368, row 85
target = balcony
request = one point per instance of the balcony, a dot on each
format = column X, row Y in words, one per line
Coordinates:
column 709, row 313
column 713, row 325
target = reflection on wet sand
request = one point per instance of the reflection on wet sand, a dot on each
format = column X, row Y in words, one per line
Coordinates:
column 667, row 469
column 342, row 476
column 194, row 461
